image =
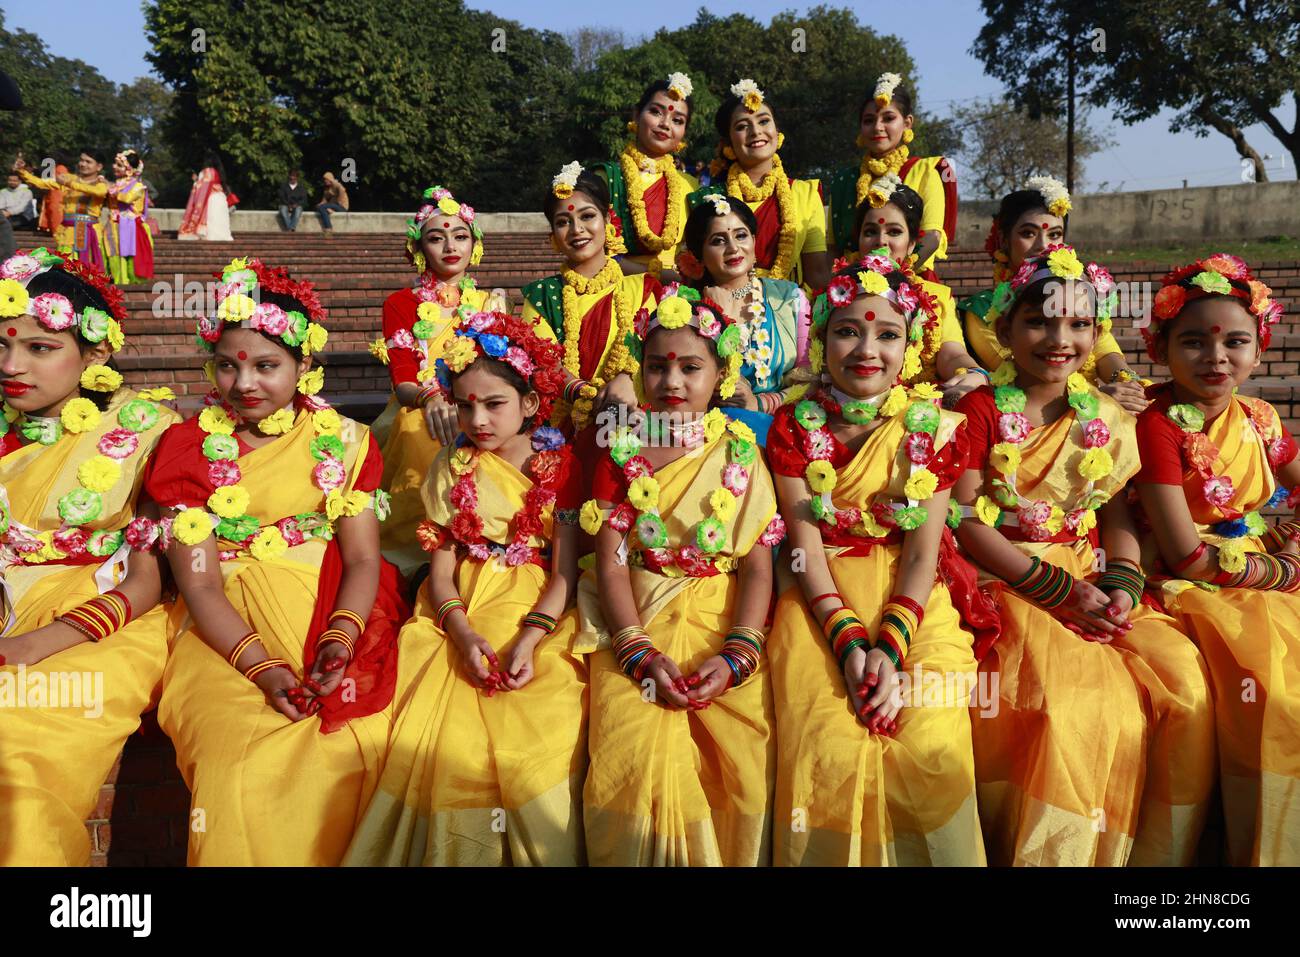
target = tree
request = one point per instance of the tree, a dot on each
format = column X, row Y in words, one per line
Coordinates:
column 1003, row 146
column 590, row 43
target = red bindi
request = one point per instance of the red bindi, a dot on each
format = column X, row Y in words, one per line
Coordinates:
column 881, row 220
column 670, row 107
column 242, row 355
column 1046, row 226
column 870, row 315
column 446, row 225
column 1214, row 329
column 672, row 355
column 472, row 397
column 13, row 331
column 570, row 207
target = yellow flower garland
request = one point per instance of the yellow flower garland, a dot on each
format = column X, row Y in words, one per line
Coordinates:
column 872, row 168
column 622, row 315
column 662, row 243
column 740, row 186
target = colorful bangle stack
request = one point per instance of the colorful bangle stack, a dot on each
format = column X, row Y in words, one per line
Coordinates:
column 535, row 619
column 634, row 651
column 445, row 610
column 742, row 651
column 900, row 620
column 1265, row 572
column 337, row 635
column 844, row 631
column 1045, row 584
column 1124, row 575
column 427, row 391
column 348, row 615
column 264, row 666
column 573, row 390
column 99, row 617
column 1276, row 538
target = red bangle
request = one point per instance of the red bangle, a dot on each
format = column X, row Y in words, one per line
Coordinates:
column 1190, row 560
column 910, row 605
column 829, row 594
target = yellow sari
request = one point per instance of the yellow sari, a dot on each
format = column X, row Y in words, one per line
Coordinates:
column 267, row 790
column 680, row 787
column 470, row 779
column 53, row 758
column 845, row 796
column 1098, row 754
column 1251, row 643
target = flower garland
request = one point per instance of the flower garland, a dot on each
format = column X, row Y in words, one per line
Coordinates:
column 96, row 477
column 872, row 168
column 921, row 418
column 466, row 528
column 1200, row 454
column 623, row 310
column 633, row 161
column 1040, row 520
column 740, row 186
column 699, row 557
column 755, row 341
column 440, row 200
column 1221, row 274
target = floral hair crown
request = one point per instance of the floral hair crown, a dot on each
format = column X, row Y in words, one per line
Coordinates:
column 882, row 189
column 1058, row 261
column 871, row 278
column 682, row 306
column 243, row 283
column 721, row 205
column 1056, row 198
column 498, row 335
column 679, row 86
column 564, row 182
column 438, row 199
column 54, row 311
column 886, row 83
column 1219, row 275
column 748, row 93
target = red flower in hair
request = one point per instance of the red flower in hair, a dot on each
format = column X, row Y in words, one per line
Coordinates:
column 111, row 295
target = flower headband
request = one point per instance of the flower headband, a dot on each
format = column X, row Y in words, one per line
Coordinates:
column 243, row 283
column 885, row 86
column 1218, row 275
column 1056, row 198
column 679, row 86
column 682, row 306
column 721, row 206
column 882, row 189
column 54, row 311
column 748, row 93
column 1056, row 262
column 440, row 200
column 563, row 183
column 498, row 335
column 872, row 279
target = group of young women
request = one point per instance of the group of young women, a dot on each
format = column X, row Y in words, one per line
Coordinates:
column 719, row 553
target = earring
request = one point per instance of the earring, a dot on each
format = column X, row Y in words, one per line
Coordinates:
column 729, row 153
column 421, row 264
column 780, row 140
column 631, row 127
column 908, row 136
column 861, row 141
column 555, row 244
column 679, row 147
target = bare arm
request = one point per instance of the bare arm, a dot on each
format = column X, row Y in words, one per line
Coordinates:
column 816, row 270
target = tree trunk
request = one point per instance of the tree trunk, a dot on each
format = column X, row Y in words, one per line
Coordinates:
column 1213, row 120
column 1069, row 116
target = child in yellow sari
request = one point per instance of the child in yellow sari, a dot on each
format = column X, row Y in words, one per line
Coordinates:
column 1101, row 747
column 442, row 242
column 681, row 755
column 1027, row 222
column 78, row 609
column 485, row 762
column 278, row 690
column 863, row 470
column 1210, row 459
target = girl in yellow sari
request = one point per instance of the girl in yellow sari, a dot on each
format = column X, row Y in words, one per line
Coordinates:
column 681, row 755
column 1100, row 747
column 1210, row 459
column 79, row 611
column 1027, row 222
column 873, row 767
column 442, row 242
column 485, row 762
column 278, row 690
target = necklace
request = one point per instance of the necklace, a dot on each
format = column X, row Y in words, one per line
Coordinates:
column 633, row 161
column 740, row 186
column 622, row 316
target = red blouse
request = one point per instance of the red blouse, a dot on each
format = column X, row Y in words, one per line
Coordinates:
column 399, row 313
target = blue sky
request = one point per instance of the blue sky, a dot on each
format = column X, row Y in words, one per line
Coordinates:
column 1146, row 156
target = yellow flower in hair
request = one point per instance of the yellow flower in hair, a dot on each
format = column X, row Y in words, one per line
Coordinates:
column 99, row 474
column 268, row 544
column 277, row 423
column 13, row 298
column 820, row 475
column 1096, row 464
column 79, row 415
column 723, row 504
column 326, row 420
column 115, row 337
column 895, row 402
column 230, row 501
column 873, row 283
column 921, row 485
column 1076, row 383
column 817, row 355
column 236, row 308
column 987, row 510
column 741, row 431
column 309, row 383
column 214, row 421
column 590, row 517
column 448, row 206
column 1005, row 457
column 191, row 526
column 160, row 394
column 315, row 339
column 674, row 312
column 460, row 352
column 1064, row 264
column 1232, row 555
column 210, row 370
column 714, row 423
column 643, row 493
column 100, row 379
column 1004, row 374
column 911, row 362
column 237, row 265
